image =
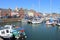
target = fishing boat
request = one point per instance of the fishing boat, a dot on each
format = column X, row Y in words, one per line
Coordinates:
column 5, row 32
column 8, row 31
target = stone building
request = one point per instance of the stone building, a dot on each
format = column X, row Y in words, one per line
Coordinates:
column 21, row 13
column 5, row 12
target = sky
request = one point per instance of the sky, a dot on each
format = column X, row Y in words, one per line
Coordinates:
column 44, row 6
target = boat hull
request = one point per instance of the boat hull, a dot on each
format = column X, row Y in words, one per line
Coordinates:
column 58, row 24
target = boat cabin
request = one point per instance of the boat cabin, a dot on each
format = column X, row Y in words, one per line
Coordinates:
column 5, row 32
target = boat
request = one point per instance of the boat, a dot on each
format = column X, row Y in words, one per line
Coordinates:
column 5, row 31
column 58, row 21
column 21, row 32
column 36, row 20
column 50, row 21
column 8, row 32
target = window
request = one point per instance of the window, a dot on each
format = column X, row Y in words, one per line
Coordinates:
column 7, row 31
column 2, row 32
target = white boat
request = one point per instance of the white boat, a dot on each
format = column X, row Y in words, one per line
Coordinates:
column 58, row 24
column 49, row 23
column 8, row 31
column 58, row 21
column 5, row 32
column 37, row 20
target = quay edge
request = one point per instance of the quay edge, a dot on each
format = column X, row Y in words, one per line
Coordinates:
column 10, row 20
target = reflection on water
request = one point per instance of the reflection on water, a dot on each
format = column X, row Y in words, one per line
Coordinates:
column 39, row 31
column 58, row 28
column 49, row 26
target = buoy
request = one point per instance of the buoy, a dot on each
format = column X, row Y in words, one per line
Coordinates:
column 22, row 30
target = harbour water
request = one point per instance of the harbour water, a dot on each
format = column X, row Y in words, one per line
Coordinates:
column 39, row 31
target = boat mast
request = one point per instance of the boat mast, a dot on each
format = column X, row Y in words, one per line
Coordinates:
column 50, row 6
column 39, row 5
